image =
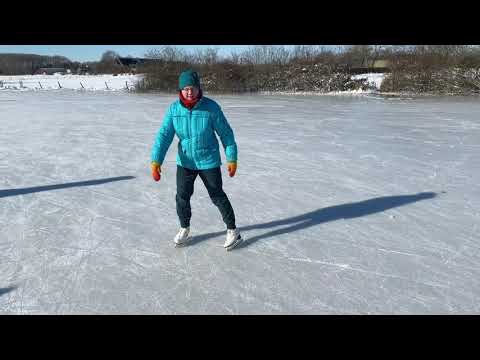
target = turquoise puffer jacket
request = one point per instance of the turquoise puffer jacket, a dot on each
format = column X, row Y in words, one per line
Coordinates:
column 198, row 146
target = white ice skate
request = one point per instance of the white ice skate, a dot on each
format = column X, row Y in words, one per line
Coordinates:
column 182, row 237
column 233, row 239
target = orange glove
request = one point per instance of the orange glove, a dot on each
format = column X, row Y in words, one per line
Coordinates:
column 156, row 170
column 232, row 168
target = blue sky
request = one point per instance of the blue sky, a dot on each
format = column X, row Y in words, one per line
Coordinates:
column 94, row 52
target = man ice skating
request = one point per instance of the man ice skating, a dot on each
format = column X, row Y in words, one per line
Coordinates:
column 195, row 119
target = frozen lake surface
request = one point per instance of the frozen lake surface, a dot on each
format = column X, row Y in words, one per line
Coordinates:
column 348, row 205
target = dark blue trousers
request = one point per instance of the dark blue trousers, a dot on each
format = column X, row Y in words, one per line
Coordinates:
column 212, row 179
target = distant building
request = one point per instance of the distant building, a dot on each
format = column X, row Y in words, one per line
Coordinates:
column 50, row 71
column 378, row 64
column 131, row 63
column 370, row 66
column 83, row 69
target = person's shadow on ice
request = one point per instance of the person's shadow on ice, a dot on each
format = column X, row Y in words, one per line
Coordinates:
column 7, row 290
column 30, row 190
column 319, row 216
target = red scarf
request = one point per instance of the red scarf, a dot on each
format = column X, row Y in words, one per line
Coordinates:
column 189, row 103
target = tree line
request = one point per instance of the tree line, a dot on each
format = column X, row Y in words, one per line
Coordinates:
column 23, row 64
column 419, row 68
column 29, row 64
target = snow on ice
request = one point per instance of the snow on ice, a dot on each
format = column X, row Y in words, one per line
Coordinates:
column 73, row 82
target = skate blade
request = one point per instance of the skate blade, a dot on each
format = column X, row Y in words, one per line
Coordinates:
column 238, row 241
column 182, row 244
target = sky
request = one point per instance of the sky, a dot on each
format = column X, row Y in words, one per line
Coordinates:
column 94, row 52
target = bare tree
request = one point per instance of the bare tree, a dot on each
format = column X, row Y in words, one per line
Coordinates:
column 109, row 64
column 265, row 54
column 109, row 56
column 358, row 55
column 304, row 54
column 169, row 54
column 207, row 56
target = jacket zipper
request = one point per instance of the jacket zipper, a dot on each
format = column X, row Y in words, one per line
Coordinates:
column 190, row 132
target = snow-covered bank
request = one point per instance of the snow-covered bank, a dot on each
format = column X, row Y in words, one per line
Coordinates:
column 128, row 82
column 367, row 84
column 358, row 92
column 373, row 79
column 73, row 82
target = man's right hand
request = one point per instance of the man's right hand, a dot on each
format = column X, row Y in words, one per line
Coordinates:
column 156, row 170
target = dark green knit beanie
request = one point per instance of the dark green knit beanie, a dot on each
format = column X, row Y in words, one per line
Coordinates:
column 188, row 78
